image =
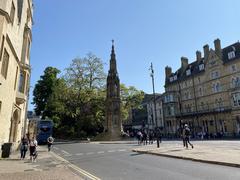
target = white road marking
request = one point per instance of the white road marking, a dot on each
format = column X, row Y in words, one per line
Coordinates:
column 121, row 150
column 65, row 152
column 55, row 148
column 90, row 153
column 85, row 173
column 67, row 155
column 111, row 151
column 79, row 154
column 100, row 152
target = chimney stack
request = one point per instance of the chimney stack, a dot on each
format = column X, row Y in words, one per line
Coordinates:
column 217, row 45
column 168, row 71
column 206, row 51
column 184, row 62
column 198, row 56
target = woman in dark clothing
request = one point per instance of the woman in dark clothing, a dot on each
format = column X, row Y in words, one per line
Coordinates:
column 24, row 146
column 33, row 149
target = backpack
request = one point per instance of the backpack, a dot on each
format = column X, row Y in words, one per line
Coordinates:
column 187, row 131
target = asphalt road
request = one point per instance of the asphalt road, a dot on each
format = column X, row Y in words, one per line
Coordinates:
column 117, row 161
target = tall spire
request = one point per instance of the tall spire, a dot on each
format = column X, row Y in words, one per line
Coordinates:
column 113, row 66
column 112, row 53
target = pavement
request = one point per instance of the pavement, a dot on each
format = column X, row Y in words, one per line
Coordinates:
column 48, row 166
column 214, row 152
column 51, row 166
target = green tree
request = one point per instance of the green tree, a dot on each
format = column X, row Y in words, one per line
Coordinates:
column 86, row 73
column 131, row 98
column 85, row 100
column 56, row 104
column 44, row 89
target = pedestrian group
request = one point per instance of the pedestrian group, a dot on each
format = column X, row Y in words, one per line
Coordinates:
column 31, row 145
column 145, row 137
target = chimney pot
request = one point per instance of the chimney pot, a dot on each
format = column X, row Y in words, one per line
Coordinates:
column 184, row 62
column 217, row 45
column 168, row 71
column 198, row 56
column 206, row 51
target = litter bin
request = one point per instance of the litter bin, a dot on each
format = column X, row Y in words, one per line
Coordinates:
column 6, row 150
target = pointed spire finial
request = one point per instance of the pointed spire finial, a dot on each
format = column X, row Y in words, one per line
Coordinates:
column 113, row 53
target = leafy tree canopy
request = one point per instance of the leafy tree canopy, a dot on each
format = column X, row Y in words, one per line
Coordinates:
column 44, row 89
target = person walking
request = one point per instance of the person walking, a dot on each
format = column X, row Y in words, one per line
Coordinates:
column 150, row 137
column 139, row 137
column 182, row 133
column 158, row 137
column 50, row 142
column 33, row 149
column 187, row 133
column 24, row 147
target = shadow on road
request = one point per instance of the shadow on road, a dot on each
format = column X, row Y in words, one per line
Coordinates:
column 135, row 154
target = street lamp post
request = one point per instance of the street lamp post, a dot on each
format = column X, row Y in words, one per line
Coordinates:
column 154, row 96
column 158, row 134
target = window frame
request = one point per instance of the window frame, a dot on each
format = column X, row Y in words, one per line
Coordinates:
column 231, row 55
column 5, row 64
column 12, row 12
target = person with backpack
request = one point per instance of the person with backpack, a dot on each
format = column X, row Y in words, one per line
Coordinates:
column 24, row 147
column 50, row 142
column 186, row 133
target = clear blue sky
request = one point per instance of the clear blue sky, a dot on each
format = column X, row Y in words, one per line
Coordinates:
column 158, row 31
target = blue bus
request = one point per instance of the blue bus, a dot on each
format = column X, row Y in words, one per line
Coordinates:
column 44, row 130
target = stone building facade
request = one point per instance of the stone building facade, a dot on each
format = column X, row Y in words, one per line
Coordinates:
column 152, row 124
column 205, row 93
column 15, row 40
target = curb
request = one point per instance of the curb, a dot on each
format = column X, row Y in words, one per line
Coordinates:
column 191, row 159
column 9, row 159
column 84, row 174
column 14, row 155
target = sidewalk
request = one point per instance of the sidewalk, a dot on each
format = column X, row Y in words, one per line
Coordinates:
column 47, row 167
column 214, row 152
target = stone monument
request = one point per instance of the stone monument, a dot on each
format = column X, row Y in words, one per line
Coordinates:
column 113, row 123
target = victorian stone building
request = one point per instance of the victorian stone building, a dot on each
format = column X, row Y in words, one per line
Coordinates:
column 15, row 41
column 113, row 125
column 155, row 119
column 205, row 93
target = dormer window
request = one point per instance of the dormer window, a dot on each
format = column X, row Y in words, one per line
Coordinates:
column 231, row 55
column 171, row 79
column 175, row 77
column 188, row 72
column 201, row 67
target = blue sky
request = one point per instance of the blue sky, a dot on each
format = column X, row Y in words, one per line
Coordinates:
column 157, row 31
